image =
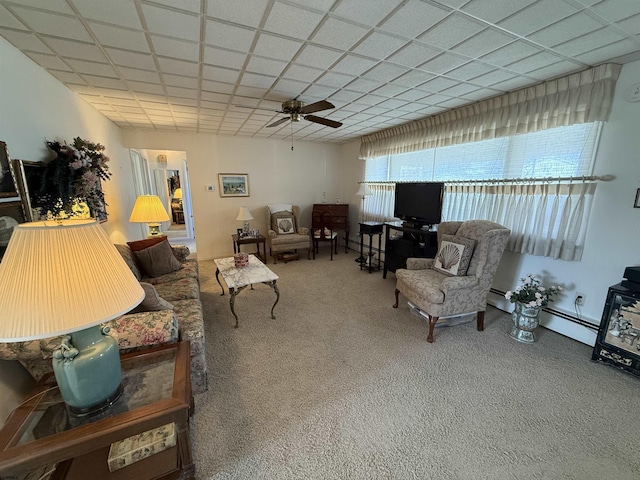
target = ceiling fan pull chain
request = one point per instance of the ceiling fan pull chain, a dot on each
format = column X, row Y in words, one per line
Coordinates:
column 291, row 136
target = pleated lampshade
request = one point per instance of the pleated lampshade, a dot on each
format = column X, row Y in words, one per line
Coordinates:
column 148, row 209
column 59, row 277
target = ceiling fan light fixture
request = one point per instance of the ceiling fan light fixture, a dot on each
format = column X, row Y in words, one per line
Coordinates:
column 296, row 117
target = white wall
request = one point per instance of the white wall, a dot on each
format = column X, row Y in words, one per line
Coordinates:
column 36, row 108
column 276, row 175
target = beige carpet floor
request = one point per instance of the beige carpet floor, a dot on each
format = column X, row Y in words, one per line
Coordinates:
column 342, row 386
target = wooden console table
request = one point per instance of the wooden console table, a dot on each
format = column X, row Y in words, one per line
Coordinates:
column 157, row 391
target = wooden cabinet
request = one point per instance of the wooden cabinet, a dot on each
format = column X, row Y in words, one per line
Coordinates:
column 404, row 242
column 339, row 217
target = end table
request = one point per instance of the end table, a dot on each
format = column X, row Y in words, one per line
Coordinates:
column 371, row 229
column 157, row 391
column 258, row 240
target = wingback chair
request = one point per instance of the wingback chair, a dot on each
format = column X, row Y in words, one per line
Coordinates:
column 441, row 288
column 285, row 232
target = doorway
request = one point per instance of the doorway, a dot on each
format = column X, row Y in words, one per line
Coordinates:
column 165, row 173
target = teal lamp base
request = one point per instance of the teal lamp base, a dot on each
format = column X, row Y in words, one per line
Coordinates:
column 88, row 372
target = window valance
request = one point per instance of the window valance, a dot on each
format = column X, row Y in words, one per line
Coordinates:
column 577, row 98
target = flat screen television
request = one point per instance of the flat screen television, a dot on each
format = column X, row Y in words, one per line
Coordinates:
column 419, row 204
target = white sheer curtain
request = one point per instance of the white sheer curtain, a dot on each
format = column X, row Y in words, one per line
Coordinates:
column 546, row 219
column 378, row 207
column 577, row 98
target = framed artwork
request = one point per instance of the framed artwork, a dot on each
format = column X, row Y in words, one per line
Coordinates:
column 636, row 204
column 8, row 186
column 11, row 214
column 233, row 184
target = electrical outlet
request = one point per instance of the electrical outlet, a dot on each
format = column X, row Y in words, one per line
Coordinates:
column 579, row 299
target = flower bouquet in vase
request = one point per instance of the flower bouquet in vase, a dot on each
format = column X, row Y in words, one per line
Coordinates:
column 529, row 298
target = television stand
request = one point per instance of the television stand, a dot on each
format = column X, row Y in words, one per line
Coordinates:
column 417, row 226
column 414, row 243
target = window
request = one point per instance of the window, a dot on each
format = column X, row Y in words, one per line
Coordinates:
column 546, row 218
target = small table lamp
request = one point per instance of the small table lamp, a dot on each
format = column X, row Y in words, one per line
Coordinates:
column 66, row 277
column 178, row 194
column 149, row 209
column 363, row 191
column 245, row 215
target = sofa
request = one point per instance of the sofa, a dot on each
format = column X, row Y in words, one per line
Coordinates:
column 171, row 311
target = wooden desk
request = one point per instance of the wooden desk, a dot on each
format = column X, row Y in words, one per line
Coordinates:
column 260, row 239
column 157, row 391
column 340, row 214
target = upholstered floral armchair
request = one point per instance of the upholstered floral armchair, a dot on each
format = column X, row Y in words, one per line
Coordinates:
column 285, row 233
column 458, row 280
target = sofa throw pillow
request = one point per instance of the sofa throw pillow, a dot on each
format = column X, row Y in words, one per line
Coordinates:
column 158, row 260
column 283, row 223
column 454, row 255
column 130, row 259
column 138, row 245
column 152, row 302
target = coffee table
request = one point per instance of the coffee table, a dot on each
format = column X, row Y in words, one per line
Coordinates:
column 237, row 279
column 157, row 391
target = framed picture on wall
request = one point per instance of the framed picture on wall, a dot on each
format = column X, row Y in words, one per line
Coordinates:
column 8, row 186
column 11, row 214
column 233, row 184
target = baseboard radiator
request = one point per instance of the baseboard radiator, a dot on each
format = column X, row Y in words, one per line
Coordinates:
column 558, row 313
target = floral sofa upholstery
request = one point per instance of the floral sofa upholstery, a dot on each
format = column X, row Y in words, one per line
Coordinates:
column 141, row 329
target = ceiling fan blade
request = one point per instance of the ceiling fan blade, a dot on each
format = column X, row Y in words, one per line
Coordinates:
column 278, row 122
column 323, row 121
column 316, row 107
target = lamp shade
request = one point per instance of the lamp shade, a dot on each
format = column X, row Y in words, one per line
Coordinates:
column 148, row 209
column 177, row 193
column 58, row 277
column 364, row 190
column 244, row 214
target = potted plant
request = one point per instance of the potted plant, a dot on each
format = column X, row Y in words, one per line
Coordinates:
column 529, row 298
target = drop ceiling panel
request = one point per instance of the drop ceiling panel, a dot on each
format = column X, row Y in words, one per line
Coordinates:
column 25, row 41
column 52, row 24
column 169, row 22
column 181, row 49
column 365, row 11
column 120, row 37
column 116, row 12
column 339, row 34
column 292, row 21
column 228, row 36
column 413, row 18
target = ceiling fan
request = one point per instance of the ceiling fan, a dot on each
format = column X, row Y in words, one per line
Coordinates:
column 297, row 110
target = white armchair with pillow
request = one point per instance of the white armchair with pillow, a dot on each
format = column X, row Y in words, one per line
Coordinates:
column 285, row 232
column 458, row 280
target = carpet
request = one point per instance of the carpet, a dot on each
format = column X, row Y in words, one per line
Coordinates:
column 342, row 386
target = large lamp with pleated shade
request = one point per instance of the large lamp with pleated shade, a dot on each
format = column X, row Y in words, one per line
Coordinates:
column 149, row 209
column 65, row 277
